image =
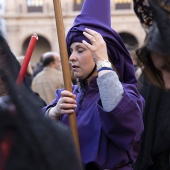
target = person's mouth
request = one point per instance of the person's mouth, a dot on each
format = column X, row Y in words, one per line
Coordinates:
column 74, row 66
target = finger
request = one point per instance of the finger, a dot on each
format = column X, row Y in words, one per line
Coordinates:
column 67, row 111
column 90, row 37
column 89, row 46
column 91, row 32
column 66, row 93
column 67, row 100
column 67, row 106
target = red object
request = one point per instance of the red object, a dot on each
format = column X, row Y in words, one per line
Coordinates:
column 5, row 148
column 27, row 58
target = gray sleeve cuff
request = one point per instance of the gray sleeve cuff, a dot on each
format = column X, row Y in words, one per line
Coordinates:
column 110, row 89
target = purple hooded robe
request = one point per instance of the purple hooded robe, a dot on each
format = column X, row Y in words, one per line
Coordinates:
column 108, row 139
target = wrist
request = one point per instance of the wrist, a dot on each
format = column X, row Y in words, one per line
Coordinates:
column 105, row 68
column 103, row 63
column 53, row 114
column 100, row 61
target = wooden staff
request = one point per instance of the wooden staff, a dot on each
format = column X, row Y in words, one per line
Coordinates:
column 65, row 67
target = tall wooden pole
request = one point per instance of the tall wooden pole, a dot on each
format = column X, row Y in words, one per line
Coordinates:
column 65, row 66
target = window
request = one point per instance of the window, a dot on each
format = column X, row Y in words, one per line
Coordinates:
column 122, row 4
column 78, row 5
column 35, row 5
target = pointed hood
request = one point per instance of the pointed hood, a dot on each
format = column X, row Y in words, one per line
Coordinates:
column 100, row 12
column 96, row 15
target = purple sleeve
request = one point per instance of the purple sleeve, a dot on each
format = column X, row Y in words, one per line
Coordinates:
column 57, row 96
column 124, row 125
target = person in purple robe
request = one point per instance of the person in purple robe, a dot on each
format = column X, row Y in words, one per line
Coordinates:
column 106, row 101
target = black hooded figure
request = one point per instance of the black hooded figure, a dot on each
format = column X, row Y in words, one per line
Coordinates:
column 154, row 16
column 28, row 140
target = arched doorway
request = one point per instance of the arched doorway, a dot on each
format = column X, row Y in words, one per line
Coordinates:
column 41, row 47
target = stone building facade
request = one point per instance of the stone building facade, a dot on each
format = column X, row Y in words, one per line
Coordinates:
column 25, row 17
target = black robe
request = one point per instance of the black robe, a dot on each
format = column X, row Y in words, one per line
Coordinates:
column 155, row 142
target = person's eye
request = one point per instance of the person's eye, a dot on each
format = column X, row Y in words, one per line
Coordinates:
column 80, row 50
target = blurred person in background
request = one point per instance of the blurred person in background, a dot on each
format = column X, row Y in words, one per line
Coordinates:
column 154, row 84
column 46, row 82
column 38, row 67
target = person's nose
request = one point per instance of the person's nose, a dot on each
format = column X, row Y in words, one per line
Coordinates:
column 72, row 56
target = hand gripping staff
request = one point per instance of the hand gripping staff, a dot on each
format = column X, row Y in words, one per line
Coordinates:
column 27, row 58
column 65, row 67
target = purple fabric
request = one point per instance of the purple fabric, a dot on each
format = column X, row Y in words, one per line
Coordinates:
column 98, row 19
column 108, row 138
column 117, row 51
column 99, row 9
column 79, row 38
